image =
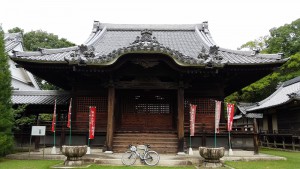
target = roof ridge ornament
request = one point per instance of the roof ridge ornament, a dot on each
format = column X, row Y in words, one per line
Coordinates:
column 211, row 58
column 96, row 26
column 292, row 95
column 87, row 51
column 146, row 36
column 255, row 52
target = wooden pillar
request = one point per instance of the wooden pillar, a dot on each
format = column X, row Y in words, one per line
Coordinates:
column 110, row 118
column 293, row 143
column 275, row 143
column 255, row 136
column 180, row 120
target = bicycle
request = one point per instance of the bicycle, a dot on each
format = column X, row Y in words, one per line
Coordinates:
column 151, row 158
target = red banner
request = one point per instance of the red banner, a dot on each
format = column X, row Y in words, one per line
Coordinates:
column 69, row 114
column 54, row 117
column 217, row 115
column 230, row 113
column 92, row 122
column 192, row 119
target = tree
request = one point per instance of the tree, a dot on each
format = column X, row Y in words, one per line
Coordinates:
column 284, row 39
column 257, row 44
column 6, row 115
column 34, row 40
column 16, row 30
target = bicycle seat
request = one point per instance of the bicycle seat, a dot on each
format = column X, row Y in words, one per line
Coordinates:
column 142, row 147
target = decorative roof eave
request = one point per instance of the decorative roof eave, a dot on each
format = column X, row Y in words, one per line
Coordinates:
column 145, row 44
column 36, row 56
column 249, row 115
column 143, row 47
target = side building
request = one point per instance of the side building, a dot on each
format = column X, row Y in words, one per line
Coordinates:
column 279, row 125
column 21, row 79
column 142, row 79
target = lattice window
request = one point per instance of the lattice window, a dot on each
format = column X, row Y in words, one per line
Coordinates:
column 147, row 103
column 83, row 104
column 204, row 105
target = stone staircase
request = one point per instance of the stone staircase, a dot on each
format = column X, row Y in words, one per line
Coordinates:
column 159, row 142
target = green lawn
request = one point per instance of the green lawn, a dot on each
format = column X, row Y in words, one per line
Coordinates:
column 27, row 164
column 292, row 162
column 46, row 164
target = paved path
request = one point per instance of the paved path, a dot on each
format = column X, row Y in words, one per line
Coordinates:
column 98, row 157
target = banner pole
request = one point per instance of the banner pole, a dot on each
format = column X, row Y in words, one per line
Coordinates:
column 89, row 126
column 70, row 138
column 89, row 123
column 190, row 141
column 54, row 139
column 215, row 139
column 229, row 140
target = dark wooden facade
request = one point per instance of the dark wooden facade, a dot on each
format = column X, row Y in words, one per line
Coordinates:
column 146, row 85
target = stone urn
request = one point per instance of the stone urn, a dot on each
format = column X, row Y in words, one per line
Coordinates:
column 212, row 156
column 74, row 154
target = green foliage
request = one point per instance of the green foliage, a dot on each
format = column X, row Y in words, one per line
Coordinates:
column 284, row 39
column 6, row 116
column 21, row 119
column 257, row 44
column 45, row 117
column 16, row 30
column 34, row 40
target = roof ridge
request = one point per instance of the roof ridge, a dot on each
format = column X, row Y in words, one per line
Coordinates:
column 266, row 99
column 57, row 50
column 291, row 81
column 155, row 27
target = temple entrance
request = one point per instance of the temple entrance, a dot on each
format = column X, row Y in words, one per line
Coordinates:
column 146, row 111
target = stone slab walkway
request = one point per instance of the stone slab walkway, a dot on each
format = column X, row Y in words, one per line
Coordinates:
column 99, row 157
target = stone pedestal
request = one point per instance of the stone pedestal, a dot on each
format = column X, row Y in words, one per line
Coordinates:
column 212, row 156
column 74, row 154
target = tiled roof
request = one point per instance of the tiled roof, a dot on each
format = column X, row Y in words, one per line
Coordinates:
column 42, row 97
column 187, row 45
column 287, row 92
column 12, row 40
column 243, row 107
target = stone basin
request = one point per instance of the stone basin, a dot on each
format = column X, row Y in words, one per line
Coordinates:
column 212, row 156
column 74, row 154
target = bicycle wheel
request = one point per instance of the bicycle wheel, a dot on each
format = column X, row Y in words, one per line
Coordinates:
column 151, row 158
column 128, row 158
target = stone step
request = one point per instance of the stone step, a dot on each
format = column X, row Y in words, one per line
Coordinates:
column 160, row 142
column 144, row 140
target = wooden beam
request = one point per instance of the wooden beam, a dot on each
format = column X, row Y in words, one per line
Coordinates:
column 180, row 120
column 110, row 118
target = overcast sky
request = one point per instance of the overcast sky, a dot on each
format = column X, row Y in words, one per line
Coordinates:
column 231, row 22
